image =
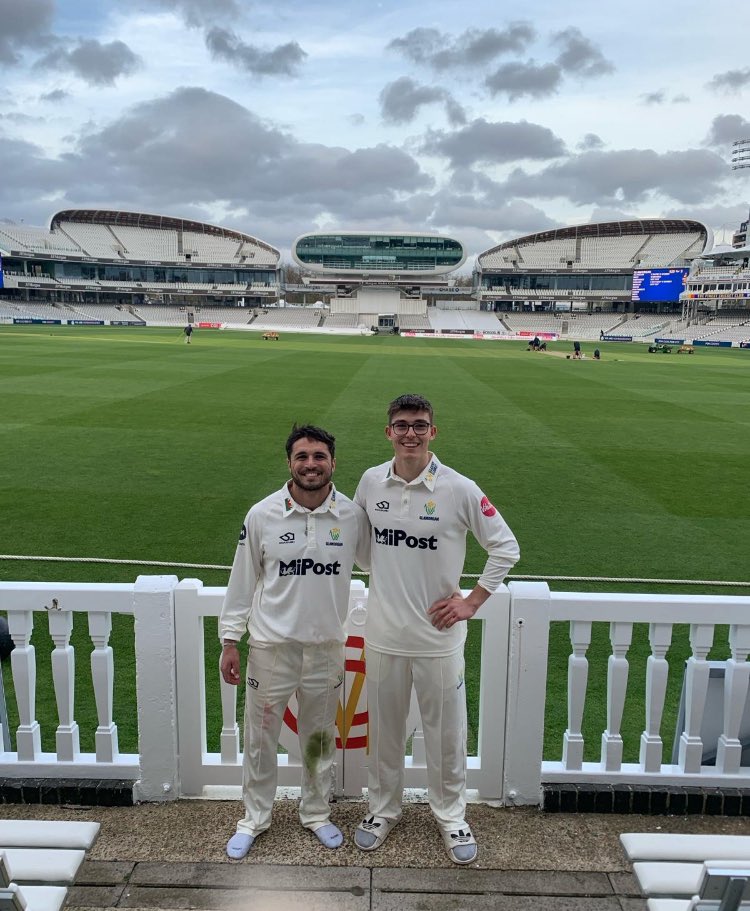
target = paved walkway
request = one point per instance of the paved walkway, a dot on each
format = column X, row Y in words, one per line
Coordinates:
column 171, row 856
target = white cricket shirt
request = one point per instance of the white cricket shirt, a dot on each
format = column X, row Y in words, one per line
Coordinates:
column 292, row 570
column 418, row 547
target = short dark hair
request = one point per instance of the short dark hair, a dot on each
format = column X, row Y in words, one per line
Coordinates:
column 411, row 401
column 310, row 432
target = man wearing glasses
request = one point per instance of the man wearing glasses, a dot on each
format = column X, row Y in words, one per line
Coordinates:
column 420, row 511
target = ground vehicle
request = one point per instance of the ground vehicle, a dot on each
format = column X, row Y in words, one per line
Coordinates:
column 270, row 336
column 686, row 349
column 659, row 349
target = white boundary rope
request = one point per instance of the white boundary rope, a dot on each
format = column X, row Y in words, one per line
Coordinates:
column 632, row 580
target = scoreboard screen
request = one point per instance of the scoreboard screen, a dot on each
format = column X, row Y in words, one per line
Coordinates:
column 658, row 284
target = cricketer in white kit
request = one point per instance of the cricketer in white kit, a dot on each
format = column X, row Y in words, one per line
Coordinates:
column 420, row 512
column 289, row 589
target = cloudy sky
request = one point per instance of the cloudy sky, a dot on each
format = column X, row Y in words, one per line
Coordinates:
column 480, row 119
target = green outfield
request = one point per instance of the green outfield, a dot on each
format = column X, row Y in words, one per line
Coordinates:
column 125, row 443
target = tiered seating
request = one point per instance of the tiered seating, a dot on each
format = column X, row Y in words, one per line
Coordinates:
column 448, row 319
column 532, row 322
column 663, row 249
column 287, row 318
column 38, row 239
column 341, row 321
column 106, row 312
column 724, row 333
column 210, row 248
column 551, row 254
column 609, row 252
column 590, row 325
column 95, row 240
column 641, row 326
column 414, row 321
column 147, row 243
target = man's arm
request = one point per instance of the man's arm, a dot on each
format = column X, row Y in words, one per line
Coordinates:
column 492, row 532
column 364, row 534
column 235, row 611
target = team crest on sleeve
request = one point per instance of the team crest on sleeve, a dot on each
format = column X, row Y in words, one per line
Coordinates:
column 487, row 508
column 243, row 534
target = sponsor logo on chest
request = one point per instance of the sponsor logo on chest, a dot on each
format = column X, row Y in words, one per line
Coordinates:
column 305, row 566
column 394, row 537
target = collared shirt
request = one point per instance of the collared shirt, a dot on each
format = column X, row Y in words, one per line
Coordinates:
column 292, row 570
column 418, row 547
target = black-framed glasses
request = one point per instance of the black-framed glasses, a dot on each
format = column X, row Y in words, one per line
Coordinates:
column 401, row 428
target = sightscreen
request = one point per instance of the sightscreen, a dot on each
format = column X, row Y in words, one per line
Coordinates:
column 658, row 284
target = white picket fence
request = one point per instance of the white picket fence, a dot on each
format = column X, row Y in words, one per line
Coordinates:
column 173, row 759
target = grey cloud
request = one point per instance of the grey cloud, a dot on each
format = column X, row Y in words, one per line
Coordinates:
column 356, row 120
column 518, row 79
column 401, row 100
column 155, row 151
column 25, row 167
column 579, row 55
column 23, row 24
column 196, row 13
column 95, row 63
column 495, row 143
column 283, row 60
column 591, row 141
column 719, row 217
column 490, row 214
column 55, row 95
column 682, row 98
column 18, row 117
column 656, row 97
column 473, row 48
column 609, row 213
column 731, row 81
column 625, row 176
column 726, row 129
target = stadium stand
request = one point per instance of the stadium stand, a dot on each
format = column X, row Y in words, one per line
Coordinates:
column 288, row 318
column 644, row 326
column 414, row 321
column 341, row 321
column 36, row 240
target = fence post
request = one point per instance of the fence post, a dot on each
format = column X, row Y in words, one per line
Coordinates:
column 527, row 688
column 153, row 608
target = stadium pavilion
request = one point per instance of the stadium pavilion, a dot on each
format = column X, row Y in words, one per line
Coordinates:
column 588, row 267
column 109, row 265
column 379, row 280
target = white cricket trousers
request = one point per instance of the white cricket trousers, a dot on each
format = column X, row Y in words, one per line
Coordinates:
column 274, row 674
column 439, row 684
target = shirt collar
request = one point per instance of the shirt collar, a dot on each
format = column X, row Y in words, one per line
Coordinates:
column 428, row 477
column 330, row 504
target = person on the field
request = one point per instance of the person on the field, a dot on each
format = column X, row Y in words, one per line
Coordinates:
column 420, row 512
column 188, row 330
column 289, row 588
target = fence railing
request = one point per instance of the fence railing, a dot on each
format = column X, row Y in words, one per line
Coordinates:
column 172, row 674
